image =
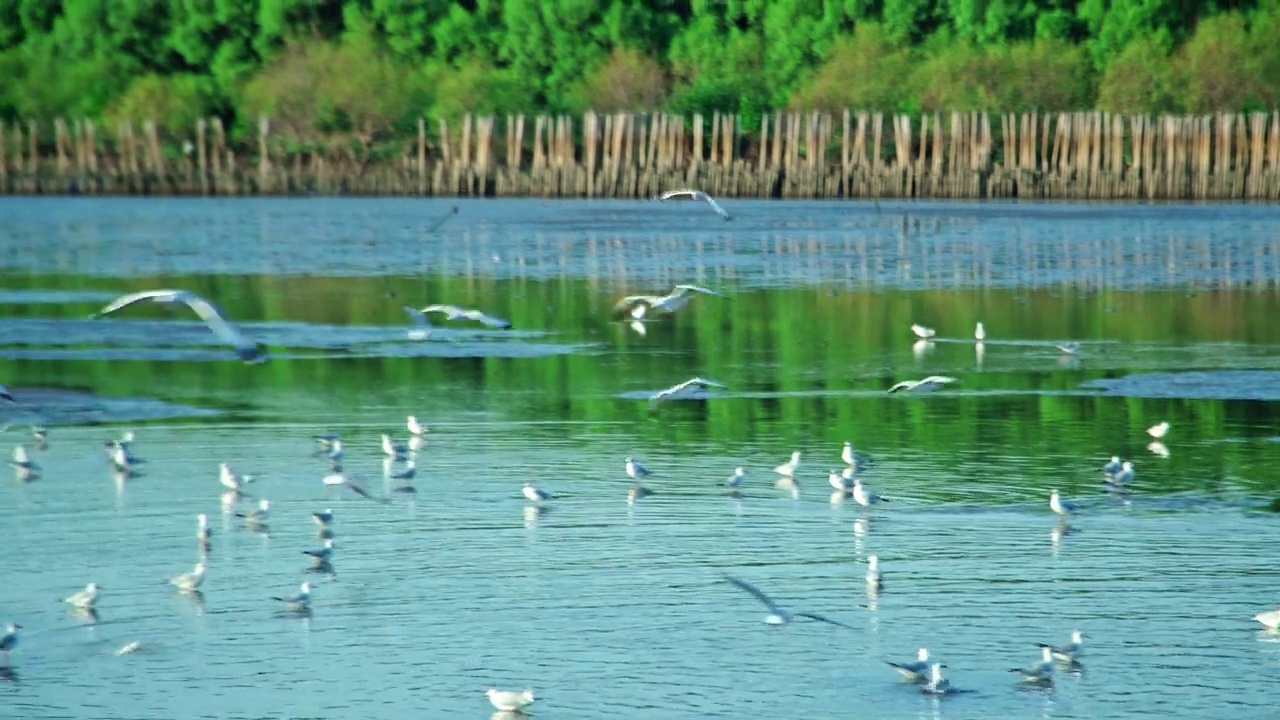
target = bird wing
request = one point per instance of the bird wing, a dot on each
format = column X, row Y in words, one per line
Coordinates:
column 125, row 301
column 631, row 301
column 821, row 618
column 687, row 192
column 416, row 316
column 904, row 385
column 703, row 382
column 756, row 592
column 450, row 311
column 211, row 317
column 697, row 289
column 714, row 205
column 938, row 379
column 486, row 319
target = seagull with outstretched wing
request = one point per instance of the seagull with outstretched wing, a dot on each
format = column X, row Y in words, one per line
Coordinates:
column 691, row 194
column 778, row 615
column 247, row 350
column 669, row 303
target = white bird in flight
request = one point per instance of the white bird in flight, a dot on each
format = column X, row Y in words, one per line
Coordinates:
column 1070, row 652
column 922, row 332
column 247, row 350
column 1060, row 506
column 1270, row 619
column 453, row 312
column 933, row 382
column 693, row 389
column 669, row 303
column 789, row 467
column 778, row 615
column 692, row 194
column 635, row 470
column 1159, row 430
column 86, row 598
column 512, row 701
column 1038, row 672
column 190, row 582
column 914, row 671
column 345, row 479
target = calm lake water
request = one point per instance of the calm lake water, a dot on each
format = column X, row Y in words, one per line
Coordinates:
column 608, row 608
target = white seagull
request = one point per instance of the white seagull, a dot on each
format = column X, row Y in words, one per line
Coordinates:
column 257, row 518
column 1270, row 619
column 692, row 194
column 979, row 332
column 1038, row 672
column 1113, row 466
column 325, row 442
column 203, row 533
column 86, row 598
column 669, row 303
column 9, row 640
column 789, row 467
column 300, row 602
column 323, row 554
column 875, row 581
column 189, row 582
column 393, row 448
column 778, row 615
column 22, row 463
column 1060, row 506
column 1125, row 474
column 693, row 389
column 922, row 332
column 535, row 493
column 933, row 382
column 512, row 701
column 936, row 684
column 416, row 427
column 247, row 350
column 852, row 457
column 336, row 452
column 1070, row 348
column 635, row 470
column 424, row 326
column 345, row 479
column 914, row 671
column 839, row 482
column 323, row 518
column 1070, row 652
column 231, row 481
column 865, row 497
column 407, row 473
column 453, row 312
column 1159, row 430
column 739, row 476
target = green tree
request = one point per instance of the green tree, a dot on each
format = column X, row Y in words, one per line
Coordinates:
column 1140, row 79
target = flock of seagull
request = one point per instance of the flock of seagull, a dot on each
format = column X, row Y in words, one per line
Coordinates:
column 924, row 671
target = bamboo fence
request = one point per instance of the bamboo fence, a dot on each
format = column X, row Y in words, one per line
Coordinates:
column 1091, row 155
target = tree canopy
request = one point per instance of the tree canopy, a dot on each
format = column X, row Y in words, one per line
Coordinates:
column 372, row 66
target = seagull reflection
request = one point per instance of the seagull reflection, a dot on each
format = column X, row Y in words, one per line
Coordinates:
column 979, row 354
column 1157, row 447
column 531, row 515
column 920, row 348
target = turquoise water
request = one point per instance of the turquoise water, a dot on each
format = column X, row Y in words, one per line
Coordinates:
column 607, row 606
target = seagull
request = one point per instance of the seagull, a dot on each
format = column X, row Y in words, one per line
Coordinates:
column 922, row 332
column 248, row 351
column 669, row 303
column 1158, row 431
column 692, row 194
column 739, row 476
column 933, row 382
column 231, row 481
column 9, row 640
column 1060, row 506
column 1159, row 448
column 694, row 389
column 23, row 464
column 1124, row 476
column 323, row 518
column 415, row 427
column 789, row 467
column 453, row 312
column 535, row 493
column 936, row 684
column 85, row 599
column 120, row 458
column 345, row 479
column 1070, row 652
column 875, row 581
column 6, row 395
column 852, row 457
column 321, row 555
column 1270, row 619
column 511, row 701
column 1038, row 672
column 188, row 583
column 325, row 442
column 1070, row 348
column 394, row 448
column 1112, row 467
column 914, row 671
column 257, row 518
column 865, row 497
column 40, row 434
column 979, row 332
column 777, row 615
column 636, row 471
column 839, row 482
column 203, row 533
column 298, row 603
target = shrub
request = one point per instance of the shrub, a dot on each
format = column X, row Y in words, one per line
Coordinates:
column 862, row 72
column 627, row 80
column 1140, row 79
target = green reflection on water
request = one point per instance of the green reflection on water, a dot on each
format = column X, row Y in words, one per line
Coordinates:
column 807, row 367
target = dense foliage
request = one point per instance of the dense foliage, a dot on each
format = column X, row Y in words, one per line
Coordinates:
column 366, row 68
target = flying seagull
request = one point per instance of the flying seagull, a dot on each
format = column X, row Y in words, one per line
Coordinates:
column 933, row 382
column 345, row 479
column 693, row 389
column 778, row 615
column 246, row 350
column 453, row 312
column 692, row 194
column 669, row 303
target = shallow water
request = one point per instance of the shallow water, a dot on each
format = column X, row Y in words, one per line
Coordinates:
column 602, row 605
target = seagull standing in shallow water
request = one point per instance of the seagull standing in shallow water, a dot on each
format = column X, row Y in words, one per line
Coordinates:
column 86, row 598
column 256, row 519
column 246, row 350
column 1270, row 619
column 739, row 476
column 415, row 427
column 875, row 581
column 635, row 470
column 1120, row 479
column 190, row 582
column 23, row 465
column 9, row 640
column 788, row 468
column 231, row 481
column 979, row 332
column 510, row 701
column 297, row 603
column 535, row 493
column 922, row 332
column 1038, row 672
column 865, row 497
column 1070, row 652
column 1060, row 506
column 778, row 615
column 936, row 684
column 393, row 448
column 914, row 671
column 852, row 457
column 203, row 533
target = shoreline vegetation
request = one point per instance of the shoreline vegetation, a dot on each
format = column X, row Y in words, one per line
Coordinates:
column 612, row 98
column 1095, row 155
